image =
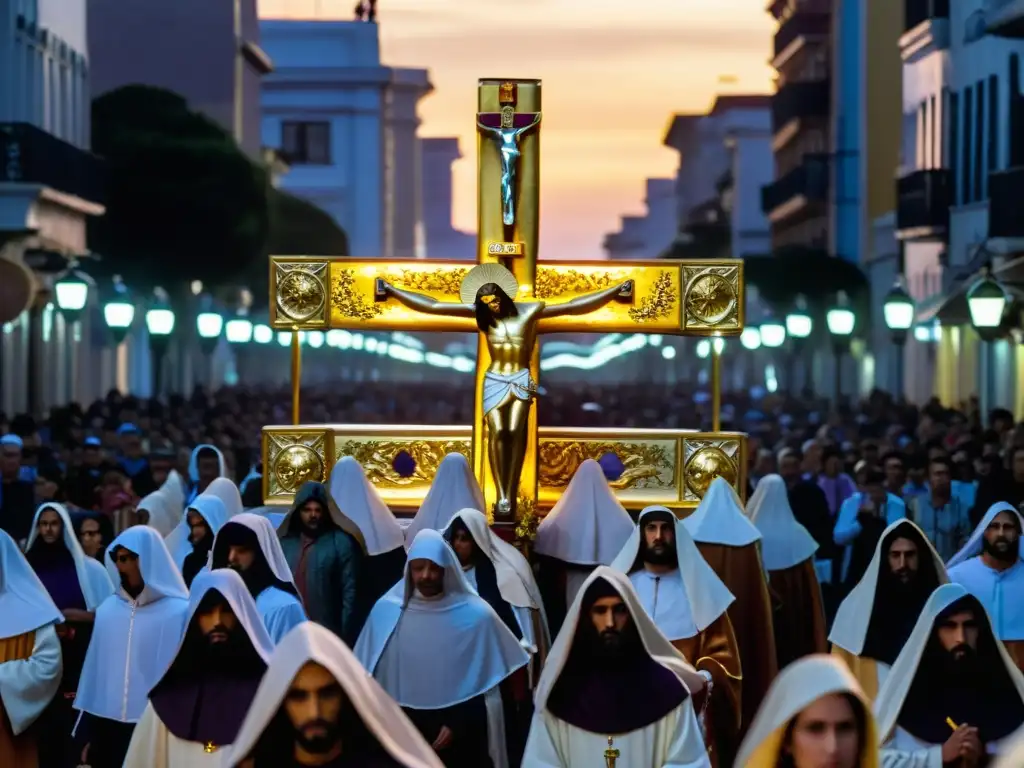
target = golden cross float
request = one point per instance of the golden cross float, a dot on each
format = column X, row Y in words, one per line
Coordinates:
column 510, row 300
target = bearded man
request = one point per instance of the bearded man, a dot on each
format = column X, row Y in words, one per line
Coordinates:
column 317, row 707
column 323, row 552
column 689, row 604
column 990, row 568
column 249, row 545
column 877, row 617
column 954, row 695
column 198, row 705
column 614, row 685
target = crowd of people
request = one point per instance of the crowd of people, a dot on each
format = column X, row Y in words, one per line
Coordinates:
column 864, row 607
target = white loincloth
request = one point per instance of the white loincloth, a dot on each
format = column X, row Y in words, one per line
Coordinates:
column 499, row 387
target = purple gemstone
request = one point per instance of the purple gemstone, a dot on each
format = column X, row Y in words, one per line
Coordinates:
column 403, row 464
column 612, row 466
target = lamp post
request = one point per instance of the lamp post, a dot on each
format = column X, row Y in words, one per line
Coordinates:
column 987, row 302
column 160, row 325
column 209, row 326
column 773, row 333
column 119, row 314
column 72, row 294
column 798, row 327
column 898, row 310
column 840, row 320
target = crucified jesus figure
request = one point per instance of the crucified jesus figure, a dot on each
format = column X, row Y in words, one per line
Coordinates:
column 510, row 328
column 506, row 137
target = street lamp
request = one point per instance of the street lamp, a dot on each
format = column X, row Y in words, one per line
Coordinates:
column 798, row 322
column 119, row 314
column 160, row 325
column 898, row 310
column 840, row 321
column 703, row 349
column 750, row 338
column 239, row 330
column 773, row 333
column 72, row 292
column 209, row 326
column 986, row 301
column 262, row 334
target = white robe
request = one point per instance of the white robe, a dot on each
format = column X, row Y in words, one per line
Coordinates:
column 674, row 741
column 153, row 746
column 132, row 643
column 405, row 633
column 1000, row 592
column 905, row 751
column 28, row 685
column 280, row 612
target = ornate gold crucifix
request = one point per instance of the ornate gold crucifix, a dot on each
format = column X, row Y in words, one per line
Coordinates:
column 509, row 299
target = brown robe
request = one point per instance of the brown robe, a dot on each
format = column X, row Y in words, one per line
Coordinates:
column 17, row 751
column 715, row 650
column 799, row 618
column 751, row 616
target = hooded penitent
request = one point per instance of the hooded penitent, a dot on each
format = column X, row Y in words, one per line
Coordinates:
column 265, row 737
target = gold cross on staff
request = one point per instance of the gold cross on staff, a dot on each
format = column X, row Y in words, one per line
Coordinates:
column 509, row 299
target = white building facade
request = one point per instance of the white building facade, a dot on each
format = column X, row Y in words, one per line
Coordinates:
column 49, row 185
column 960, row 190
column 347, row 126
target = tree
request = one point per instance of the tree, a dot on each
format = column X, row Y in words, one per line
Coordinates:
column 183, row 201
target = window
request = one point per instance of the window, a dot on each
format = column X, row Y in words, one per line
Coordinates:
column 954, row 149
column 993, row 123
column 934, row 150
column 979, row 143
column 306, row 143
column 967, row 173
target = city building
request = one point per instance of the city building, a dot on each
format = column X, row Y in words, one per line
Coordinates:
column 959, row 207
column 347, row 127
column 725, row 157
column 50, row 185
column 443, row 240
column 924, row 187
column 712, row 206
column 207, row 52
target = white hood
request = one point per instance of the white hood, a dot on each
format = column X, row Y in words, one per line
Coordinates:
column 454, row 488
column 784, row 542
column 974, row 544
column 587, row 525
column 359, row 501
column 719, row 518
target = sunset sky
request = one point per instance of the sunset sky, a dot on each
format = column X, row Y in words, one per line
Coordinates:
column 614, row 71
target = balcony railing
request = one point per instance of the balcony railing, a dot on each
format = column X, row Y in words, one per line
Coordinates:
column 808, row 180
column 917, row 12
column 922, row 203
column 1005, row 192
column 30, row 155
column 806, row 24
column 797, row 101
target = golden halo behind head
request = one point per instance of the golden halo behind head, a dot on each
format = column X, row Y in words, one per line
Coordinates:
column 481, row 275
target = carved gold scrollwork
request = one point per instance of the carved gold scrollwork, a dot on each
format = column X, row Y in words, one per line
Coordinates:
column 347, row 300
column 658, row 304
column 711, row 297
column 301, row 291
column 644, row 465
column 295, row 458
column 552, row 283
column 377, row 458
column 445, row 281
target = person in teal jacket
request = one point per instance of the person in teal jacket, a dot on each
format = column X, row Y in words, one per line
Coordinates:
column 323, row 551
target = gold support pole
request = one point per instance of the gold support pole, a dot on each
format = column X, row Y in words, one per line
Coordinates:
column 296, row 374
column 716, row 387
